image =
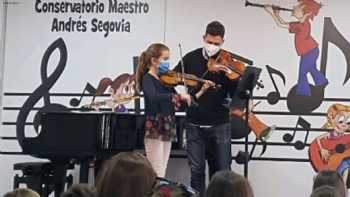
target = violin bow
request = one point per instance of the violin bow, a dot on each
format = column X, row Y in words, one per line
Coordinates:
column 183, row 74
column 182, row 69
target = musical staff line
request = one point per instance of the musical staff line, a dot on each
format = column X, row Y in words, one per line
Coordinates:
column 278, row 129
column 325, row 99
column 288, row 113
column 52, row 94
column 132, row 110
column 233, row 142
column 106, row 95
column 184, row 156
column 71, row 109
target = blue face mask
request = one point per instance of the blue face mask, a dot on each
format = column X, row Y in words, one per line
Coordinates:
column 163, row 68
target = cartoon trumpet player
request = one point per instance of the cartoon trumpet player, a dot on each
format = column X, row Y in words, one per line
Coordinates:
column 305, row 45
column 121, row 90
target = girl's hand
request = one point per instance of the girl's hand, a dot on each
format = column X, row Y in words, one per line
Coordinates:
column 186, row 97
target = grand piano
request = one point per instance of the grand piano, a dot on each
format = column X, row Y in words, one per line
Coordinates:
column 82, row 137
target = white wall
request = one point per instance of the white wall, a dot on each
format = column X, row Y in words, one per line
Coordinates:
column 91, row 56
column 2, row 13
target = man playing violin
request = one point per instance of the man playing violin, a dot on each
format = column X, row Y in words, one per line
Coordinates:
column 208, row 130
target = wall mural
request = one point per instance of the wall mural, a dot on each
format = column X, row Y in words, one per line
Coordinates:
column 330, row 150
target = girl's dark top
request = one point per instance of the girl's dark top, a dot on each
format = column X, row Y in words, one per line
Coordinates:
column 160, row 105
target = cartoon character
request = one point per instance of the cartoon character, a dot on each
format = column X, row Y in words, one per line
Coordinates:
column 121, row 89
column 306, row 46
column 260, row 129
column 332, row 150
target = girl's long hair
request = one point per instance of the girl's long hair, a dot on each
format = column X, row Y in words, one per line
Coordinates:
column 145, row 61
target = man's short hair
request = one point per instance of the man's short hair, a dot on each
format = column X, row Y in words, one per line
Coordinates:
column 215, row 28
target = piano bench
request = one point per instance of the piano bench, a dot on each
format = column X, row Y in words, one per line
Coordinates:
column 38, row 176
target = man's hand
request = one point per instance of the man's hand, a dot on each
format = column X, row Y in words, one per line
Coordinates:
column 206, row 85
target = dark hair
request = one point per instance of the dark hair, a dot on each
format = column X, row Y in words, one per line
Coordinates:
column 126, row 174
column 215, row 28
column 22, row 192
column 80, row 190
column 227, row 183
column 115, row 84
column 325, row 191
column 145, row 61
column 331, row 178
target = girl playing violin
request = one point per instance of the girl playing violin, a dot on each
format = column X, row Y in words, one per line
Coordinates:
column 160, row 105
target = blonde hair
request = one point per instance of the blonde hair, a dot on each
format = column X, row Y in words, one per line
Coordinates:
column 22, row 192
column 332, row 112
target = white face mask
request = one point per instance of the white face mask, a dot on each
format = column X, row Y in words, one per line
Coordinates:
column 211, row 49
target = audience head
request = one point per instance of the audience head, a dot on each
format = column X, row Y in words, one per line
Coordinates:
column 331, row 178
column 325, row 191
column 228, row 184
column 22, row 192
column 126, row 174
column 80, row 190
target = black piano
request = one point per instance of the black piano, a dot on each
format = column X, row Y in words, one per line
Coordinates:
column 83, row 137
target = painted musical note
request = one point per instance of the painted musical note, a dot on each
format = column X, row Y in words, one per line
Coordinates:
column 299, row 145
column 43, row 91
column 332, row 35
column 274, row 96
column 88, row 88
column 299, row 104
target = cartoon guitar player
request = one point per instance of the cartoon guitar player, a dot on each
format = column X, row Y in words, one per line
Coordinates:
column 332, row 150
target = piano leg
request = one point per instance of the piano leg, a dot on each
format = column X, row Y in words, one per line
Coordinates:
column 59, row 176
column 84, row 172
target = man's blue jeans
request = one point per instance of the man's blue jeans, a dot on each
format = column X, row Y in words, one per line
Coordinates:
column 212, row 143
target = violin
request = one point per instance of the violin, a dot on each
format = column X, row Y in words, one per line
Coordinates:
column 232, row 68
column 173, row 78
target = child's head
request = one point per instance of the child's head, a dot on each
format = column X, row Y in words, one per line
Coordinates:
column 126, row 174
column 22, row 192
column 306, row 7
column 338, row 118
column 331, row 178
column 228, row 183
column 325, row 191
column 151, row 58
column 80, row 190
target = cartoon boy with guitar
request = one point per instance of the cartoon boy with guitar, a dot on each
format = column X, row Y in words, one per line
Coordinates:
column 332, row 150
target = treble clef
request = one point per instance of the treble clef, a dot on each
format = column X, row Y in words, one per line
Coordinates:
column 43, row 91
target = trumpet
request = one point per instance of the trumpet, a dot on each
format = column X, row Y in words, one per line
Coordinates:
column 247, row 3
